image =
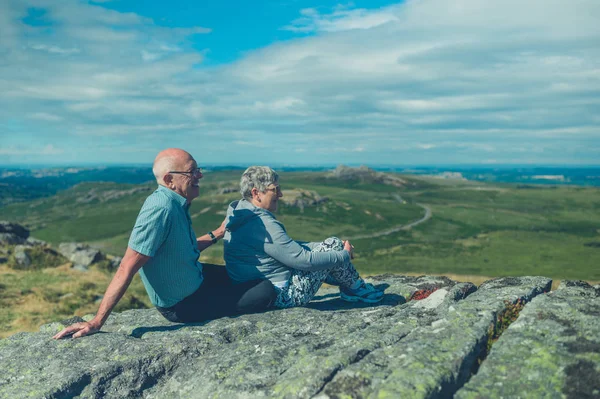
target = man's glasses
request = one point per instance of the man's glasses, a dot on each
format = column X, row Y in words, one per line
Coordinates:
column 275, row 189
column 194, row 173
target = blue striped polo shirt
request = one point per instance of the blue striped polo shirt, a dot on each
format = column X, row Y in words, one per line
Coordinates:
column 163, row 231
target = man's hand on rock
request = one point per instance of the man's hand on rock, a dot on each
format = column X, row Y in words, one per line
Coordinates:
column 78, row 330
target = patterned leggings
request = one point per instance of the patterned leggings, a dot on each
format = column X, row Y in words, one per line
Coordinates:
column 303, row 285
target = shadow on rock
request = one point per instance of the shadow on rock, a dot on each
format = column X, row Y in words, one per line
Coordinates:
column 332, row 301
column 140, row 331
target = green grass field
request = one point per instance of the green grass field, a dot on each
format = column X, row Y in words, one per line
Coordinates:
column 476, row 229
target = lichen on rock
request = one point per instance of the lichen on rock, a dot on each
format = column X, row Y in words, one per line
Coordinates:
column 328, row 349
column 552, row 350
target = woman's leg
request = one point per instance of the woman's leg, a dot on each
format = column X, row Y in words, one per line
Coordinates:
column 303, row 285
column 344, row 275
column 301, row 288
column 352, row 287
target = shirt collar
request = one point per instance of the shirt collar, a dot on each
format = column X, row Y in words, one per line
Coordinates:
column 174, row 196
column 249, row 205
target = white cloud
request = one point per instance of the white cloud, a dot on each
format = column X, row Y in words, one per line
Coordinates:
column 340, row 20
column 49, row 149
column 107, row 130
column 249, row 143
column 148, row 56
column 286, row 105
column 55, row 49
column 451, row 80
column 43, row 116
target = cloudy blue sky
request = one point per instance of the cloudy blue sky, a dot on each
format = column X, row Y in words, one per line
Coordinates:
column 304, row 82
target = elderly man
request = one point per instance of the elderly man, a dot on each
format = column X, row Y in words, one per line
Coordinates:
column 164, row 249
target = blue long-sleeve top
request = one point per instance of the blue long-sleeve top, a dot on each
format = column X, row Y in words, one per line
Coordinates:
column 257, row 247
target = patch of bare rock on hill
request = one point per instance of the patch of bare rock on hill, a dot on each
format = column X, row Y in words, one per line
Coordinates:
column 365, row 174
column 434, row 347
column 302, row 198
column 107, row 195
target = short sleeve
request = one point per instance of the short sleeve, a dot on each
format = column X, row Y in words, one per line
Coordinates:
column 150, row 231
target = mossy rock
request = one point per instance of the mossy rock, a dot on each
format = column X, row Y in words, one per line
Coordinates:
column 41, row 258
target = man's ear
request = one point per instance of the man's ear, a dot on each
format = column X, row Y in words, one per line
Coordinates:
column 255, row 192
column 168, row 178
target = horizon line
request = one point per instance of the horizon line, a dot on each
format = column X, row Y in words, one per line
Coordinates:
column 308, row 166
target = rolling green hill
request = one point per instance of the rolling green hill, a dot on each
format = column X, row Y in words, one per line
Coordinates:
column 475, row 227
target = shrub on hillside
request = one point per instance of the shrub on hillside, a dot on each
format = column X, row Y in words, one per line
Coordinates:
column 39, row 258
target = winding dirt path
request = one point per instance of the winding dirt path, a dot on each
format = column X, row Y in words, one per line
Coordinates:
column 396, row 229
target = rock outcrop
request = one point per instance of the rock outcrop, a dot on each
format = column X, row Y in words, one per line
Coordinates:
column 554, row 346
column 12, row 233
column 365, row 174
column 81, row 255
column 301, row 199
column 20, row 251
column 430, row 348
column 227, row 190
column 21, row 256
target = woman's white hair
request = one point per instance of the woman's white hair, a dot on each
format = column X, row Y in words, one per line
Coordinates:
column 257, row 176
column 161, row 167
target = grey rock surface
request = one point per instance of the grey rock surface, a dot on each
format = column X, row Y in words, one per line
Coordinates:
column 81, row 255
column 366, row 174
column 227, row 190
column 21, row 257
column 115, row 261
column 552, row 350
column 11, row 239
column 14, row 228
column 329, row 349
column 34, row 241
column 440, row 351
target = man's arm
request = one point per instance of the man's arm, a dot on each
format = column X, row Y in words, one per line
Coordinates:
column 206, row 240
column 131, row 263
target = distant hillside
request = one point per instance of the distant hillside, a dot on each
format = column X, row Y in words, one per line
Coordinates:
column 474, row 228
column 365, row 174
column 17, row 185
column 526, row 175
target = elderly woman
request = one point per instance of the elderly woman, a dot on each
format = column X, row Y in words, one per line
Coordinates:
column 257, row 246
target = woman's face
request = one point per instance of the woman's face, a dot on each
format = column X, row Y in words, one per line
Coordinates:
column 270, row 198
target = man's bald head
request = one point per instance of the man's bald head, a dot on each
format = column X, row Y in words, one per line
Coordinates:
column 178, row 171
column 167, row 160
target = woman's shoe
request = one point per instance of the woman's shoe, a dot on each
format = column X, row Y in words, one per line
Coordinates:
column 366, row 292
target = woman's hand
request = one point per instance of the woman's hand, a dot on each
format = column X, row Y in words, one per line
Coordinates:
column 350, row 248
column 220, row 231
